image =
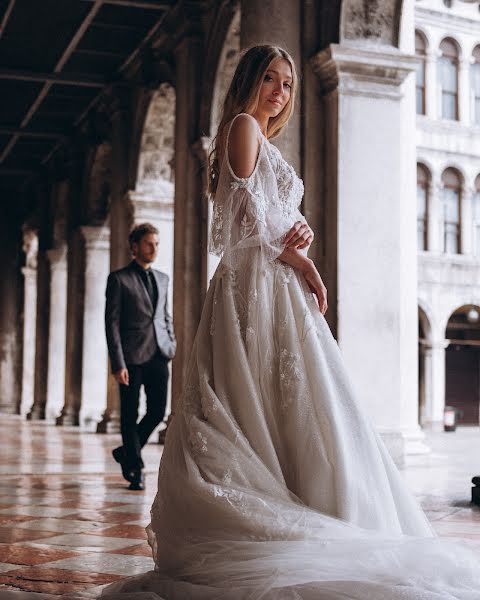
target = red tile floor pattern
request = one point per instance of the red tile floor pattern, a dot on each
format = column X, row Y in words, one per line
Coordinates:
column 68, row 525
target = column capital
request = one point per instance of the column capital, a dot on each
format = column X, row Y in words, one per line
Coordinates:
column 362, row 71
column 96, row 237
column 57, row 257
column 29, row 272
column 150, row 206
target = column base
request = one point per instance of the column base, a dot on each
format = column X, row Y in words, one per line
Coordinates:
column 67, row 418
column 37, row 413
column 415, row 442
column 8, row 409
column 110, row 423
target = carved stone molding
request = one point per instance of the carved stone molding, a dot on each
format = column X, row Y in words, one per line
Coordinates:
column 374, row 21
column 361, row 71
column 148, row 207
column 57, row 257
column 96, row 238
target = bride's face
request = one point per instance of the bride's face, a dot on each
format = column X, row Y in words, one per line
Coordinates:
column 276, row 88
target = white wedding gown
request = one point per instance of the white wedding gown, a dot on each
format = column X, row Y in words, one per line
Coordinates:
column 273, row 484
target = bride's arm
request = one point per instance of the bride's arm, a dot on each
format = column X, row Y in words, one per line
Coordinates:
column 297, row 259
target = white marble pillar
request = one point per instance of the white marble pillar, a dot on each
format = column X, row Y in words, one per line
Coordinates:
column 93, row 400
column 372, row 93
column 436, row 395
column 30, row 247
column 431, row 85
column 464, row 102
column 57, row 333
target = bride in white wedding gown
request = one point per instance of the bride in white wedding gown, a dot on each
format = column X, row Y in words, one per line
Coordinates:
column 273, row 484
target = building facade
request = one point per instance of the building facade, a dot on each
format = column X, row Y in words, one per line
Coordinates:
column 447, row 44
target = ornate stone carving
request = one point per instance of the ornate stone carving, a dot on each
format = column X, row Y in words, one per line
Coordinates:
column 372, row 20
column 155, row 168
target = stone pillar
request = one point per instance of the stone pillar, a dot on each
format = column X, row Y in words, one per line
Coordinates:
column 12, row 287
column 74, row 333
column 93, row 399
column 190, row 250
column 371, row 97
column 120, row 222
column 466, row 230
column 37, row 411
column 277, row 22
column 431, row 85
column 57, row 333
column 436, row 392
column 30, row 247
column 435, row 218
column 464, row 103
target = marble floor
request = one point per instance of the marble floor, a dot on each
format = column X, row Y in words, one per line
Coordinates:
column 68, row 524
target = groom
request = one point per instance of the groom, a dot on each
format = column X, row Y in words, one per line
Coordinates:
column 141, row 342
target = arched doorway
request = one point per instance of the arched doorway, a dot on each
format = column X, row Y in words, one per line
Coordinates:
column 463, row 363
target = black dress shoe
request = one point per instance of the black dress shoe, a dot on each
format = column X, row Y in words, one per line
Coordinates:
column 137, row 481
column 119, row 456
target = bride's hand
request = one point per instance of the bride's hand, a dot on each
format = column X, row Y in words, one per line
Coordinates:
column 300, row 236
column 316, row 285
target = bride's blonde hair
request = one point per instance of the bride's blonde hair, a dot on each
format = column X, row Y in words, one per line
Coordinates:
column 242, row 97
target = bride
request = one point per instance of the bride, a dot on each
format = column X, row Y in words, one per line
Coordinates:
column 273, row 484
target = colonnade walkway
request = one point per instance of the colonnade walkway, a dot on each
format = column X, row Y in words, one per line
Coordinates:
column 68, row 524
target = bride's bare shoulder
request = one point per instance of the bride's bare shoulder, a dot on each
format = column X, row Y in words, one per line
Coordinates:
column 243, row 145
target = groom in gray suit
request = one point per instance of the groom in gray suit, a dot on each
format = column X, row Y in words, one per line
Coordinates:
column 141, row 341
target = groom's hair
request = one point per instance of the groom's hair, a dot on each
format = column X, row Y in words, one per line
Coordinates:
column 139, row 231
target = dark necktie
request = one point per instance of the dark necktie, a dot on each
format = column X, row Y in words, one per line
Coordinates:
column 147, row 278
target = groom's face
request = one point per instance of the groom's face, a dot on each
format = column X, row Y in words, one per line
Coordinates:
column 147, row 248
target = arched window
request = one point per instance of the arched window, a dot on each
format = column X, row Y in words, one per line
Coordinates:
column 476, row 217
column 423, row 182
column 451, row 211
column 448, row 71
column 476, row 85
column 420, row 51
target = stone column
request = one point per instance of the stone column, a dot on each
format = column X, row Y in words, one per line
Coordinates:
column 189, row 252
column 436, row 393
column 37, row 411
column 277, row 22
column 120, row 222
column 464, row 104
column 371, row 111
column 30, row 247
column 431, row 85
column 57, row 333
column 93, row 399
column 12, row 286
column 466, row 241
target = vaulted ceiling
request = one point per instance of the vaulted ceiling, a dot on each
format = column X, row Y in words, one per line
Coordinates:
column 56, row 58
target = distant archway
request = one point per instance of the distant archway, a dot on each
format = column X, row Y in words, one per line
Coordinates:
column 462, row 365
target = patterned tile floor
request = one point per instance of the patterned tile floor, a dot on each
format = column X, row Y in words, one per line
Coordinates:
column 68, row 525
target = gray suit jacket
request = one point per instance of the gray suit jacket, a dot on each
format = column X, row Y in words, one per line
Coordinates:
column 135, row 331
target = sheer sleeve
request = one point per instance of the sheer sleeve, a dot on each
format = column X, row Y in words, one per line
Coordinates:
column 247, row 213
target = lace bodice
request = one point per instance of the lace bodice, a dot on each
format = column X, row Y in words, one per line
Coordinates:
column 290, row 186
column 255, row 212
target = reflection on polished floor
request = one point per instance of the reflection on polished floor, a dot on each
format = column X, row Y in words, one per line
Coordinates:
column 68, row 524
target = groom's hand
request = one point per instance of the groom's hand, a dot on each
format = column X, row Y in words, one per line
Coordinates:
column 121, row 376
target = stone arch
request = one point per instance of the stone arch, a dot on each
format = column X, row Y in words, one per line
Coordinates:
column 425, row 322
column 423, row 34
column 227, row 64
column 462, row 363
column 98, row 184
column 155, row 169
